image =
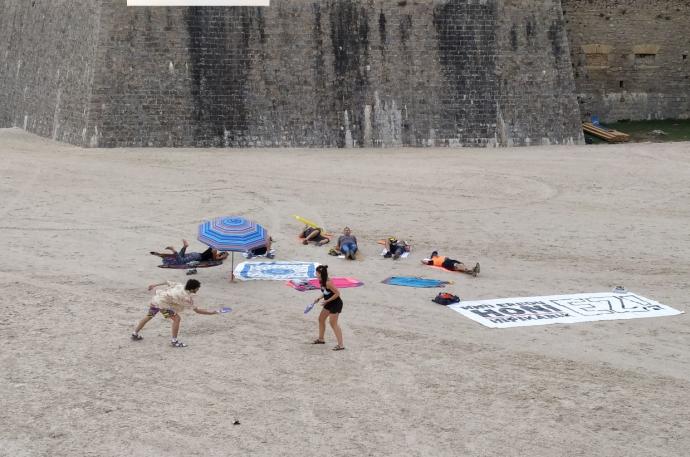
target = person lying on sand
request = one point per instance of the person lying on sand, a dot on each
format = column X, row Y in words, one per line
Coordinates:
column 394, row 248
column 313, row 235
column 450, row 264
column 183, row 257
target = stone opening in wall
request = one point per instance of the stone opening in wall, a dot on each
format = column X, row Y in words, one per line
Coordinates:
column 645, row 54
column 597, row 60
column 685, row 56
column 645, row 59
column 597, row 55
column 621, row 84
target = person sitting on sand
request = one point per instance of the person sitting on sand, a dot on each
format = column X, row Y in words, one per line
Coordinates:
column 450, row 264
column 313, row 235
column 394, row 248
column 263, row 250
column 183, row 257
column 347, row 244
column 170, row 302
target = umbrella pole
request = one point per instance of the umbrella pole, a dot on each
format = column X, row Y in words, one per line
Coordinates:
column 232, row 269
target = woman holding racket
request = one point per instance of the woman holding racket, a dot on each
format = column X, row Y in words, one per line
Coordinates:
column 332, row 306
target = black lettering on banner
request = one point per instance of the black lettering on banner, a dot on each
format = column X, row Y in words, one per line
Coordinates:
column 487, row 313
column 535, row 309
column 512, row 311
column 471, row 307
column 519, row 318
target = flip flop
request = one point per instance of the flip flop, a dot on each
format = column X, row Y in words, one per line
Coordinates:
column 224, row 310
column 339, row 348
column 318, row 341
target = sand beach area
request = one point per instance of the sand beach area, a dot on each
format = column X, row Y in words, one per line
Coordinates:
column 416, row 379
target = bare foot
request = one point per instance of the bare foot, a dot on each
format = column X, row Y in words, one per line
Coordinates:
column 185, row 243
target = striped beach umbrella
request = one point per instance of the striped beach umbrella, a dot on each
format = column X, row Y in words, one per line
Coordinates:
column 232, row 233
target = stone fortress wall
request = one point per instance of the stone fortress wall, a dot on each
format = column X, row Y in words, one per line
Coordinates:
column 48, row 66
column 630, row 57
column 333, row 73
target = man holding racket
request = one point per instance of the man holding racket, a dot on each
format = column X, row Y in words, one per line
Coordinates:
column 170, row 302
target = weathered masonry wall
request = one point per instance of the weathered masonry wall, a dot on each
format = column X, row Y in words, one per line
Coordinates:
column 47, row 55
column 332, row 73
column 631, row 57
column 537, row 102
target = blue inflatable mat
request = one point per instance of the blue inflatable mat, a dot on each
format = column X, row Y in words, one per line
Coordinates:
column 411, row 281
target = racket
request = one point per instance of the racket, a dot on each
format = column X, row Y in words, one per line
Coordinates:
column 309, row 307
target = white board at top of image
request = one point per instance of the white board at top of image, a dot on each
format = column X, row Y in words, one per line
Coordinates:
column 198, row 2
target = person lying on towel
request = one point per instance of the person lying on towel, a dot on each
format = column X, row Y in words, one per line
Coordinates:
column 450, row 264
column 183, row 257
column 395, row 248
column 313, row 235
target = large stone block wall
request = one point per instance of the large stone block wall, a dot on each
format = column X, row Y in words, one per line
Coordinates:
column 631, row 57
column 47, row 51
column 334, row 73
column 536, row 88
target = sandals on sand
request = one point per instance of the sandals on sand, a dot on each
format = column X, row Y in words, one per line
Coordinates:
column 178, row 344
column 336, row 348
column 136, row 337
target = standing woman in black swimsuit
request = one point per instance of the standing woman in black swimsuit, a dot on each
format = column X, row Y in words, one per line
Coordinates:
column 332, row 306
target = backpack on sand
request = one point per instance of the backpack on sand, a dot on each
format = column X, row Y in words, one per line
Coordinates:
column 445, row 299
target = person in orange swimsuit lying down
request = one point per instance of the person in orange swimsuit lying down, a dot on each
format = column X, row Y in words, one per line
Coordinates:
column 450, row 264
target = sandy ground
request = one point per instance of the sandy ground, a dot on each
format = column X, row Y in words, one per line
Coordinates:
column 417, row 379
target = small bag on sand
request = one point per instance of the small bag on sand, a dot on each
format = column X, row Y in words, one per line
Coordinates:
column 445, row 299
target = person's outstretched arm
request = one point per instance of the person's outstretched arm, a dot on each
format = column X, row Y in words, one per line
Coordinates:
column 153, row 286
column 206, row 312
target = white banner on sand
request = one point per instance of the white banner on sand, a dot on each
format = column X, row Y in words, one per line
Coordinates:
column 198, row 2
column 561, row 309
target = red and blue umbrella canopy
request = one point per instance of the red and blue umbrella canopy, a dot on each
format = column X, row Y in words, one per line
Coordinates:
column 232, row 233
